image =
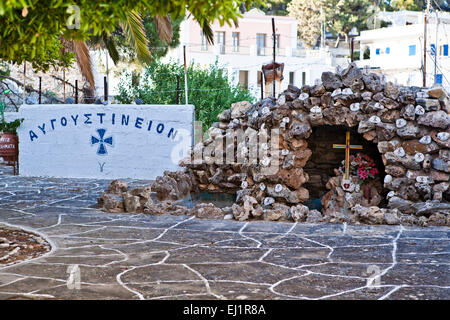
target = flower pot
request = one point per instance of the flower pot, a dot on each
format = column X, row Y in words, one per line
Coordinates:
column 9, row 148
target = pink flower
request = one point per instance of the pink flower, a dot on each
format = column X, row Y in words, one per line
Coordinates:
column 373, row 171
column 362, row 174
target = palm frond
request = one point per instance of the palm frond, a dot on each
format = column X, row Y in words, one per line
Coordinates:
column 84, row 60
column 135, row 33
column 164, row 28
column 110, row 45
column 208, row 32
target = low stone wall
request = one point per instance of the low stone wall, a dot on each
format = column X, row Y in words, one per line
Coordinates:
column 97, row 141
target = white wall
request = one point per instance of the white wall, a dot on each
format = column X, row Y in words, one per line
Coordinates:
column 153, row 140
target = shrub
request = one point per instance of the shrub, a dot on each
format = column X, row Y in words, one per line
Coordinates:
column 208, row 89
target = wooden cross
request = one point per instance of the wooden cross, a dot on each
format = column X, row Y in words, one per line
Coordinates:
column 347, row 146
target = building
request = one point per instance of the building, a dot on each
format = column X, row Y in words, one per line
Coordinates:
column 398, row 50
column 244, row 49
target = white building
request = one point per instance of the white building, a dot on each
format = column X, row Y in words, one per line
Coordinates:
column 398, row 50
column 244, row 49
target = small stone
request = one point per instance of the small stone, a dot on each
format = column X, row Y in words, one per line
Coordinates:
column 419, row 110
column 423, row 179
column 315, row 109
column 400, row 152
column 354, row 107
column 443, row 136
column 336, row 92
column 228, row 216
column 303, row 96
column 281, row 100
column 375, row 119
column 265, row 110
column 425, row 140
column 441, row 165
column 347, row 91
column 400, row 123
column 419, row 157
column 268, row 201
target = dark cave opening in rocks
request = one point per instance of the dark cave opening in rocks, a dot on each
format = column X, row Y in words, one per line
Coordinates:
column 324, row 159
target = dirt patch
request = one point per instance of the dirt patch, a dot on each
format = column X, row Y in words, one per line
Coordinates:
column 17, row 245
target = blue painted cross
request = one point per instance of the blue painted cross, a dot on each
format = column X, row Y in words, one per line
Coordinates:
column 101, row 142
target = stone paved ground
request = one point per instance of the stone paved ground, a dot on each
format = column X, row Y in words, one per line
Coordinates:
column 137, row 256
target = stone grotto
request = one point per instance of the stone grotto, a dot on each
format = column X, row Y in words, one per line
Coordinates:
column 397, row 171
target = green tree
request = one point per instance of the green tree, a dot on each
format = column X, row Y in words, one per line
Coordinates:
column 32, row 28
column 276, row 7
column 208, row 89
column 344, row 15
column 405, row 5
column 309, row 19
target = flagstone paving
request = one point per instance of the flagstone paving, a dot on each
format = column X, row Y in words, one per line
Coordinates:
column 137, row 256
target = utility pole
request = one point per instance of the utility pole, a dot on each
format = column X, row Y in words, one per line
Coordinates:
column 436, row 48
column 76, row 91
column 322, row 29
column 185, row 75
column 274, row 55
column 64, row 85
column 107, row 76
column 40, row 90
column 24, row 81
column 178, row 89
column 425, row 44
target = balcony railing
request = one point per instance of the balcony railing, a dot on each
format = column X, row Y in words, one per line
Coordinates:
column 220, row 49
column 253, row 50
column 268, row 51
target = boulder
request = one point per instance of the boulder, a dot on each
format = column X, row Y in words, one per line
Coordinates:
column 206, row 211
column 436, row 119
column 278, row 212
column 299, row 213
column 111, row 202
column 239, row 109
column 331, row 81
column 314, row 216
column 117, row 187
column 131, row 203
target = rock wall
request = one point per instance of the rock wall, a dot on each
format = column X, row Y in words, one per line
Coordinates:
column 409, row 125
